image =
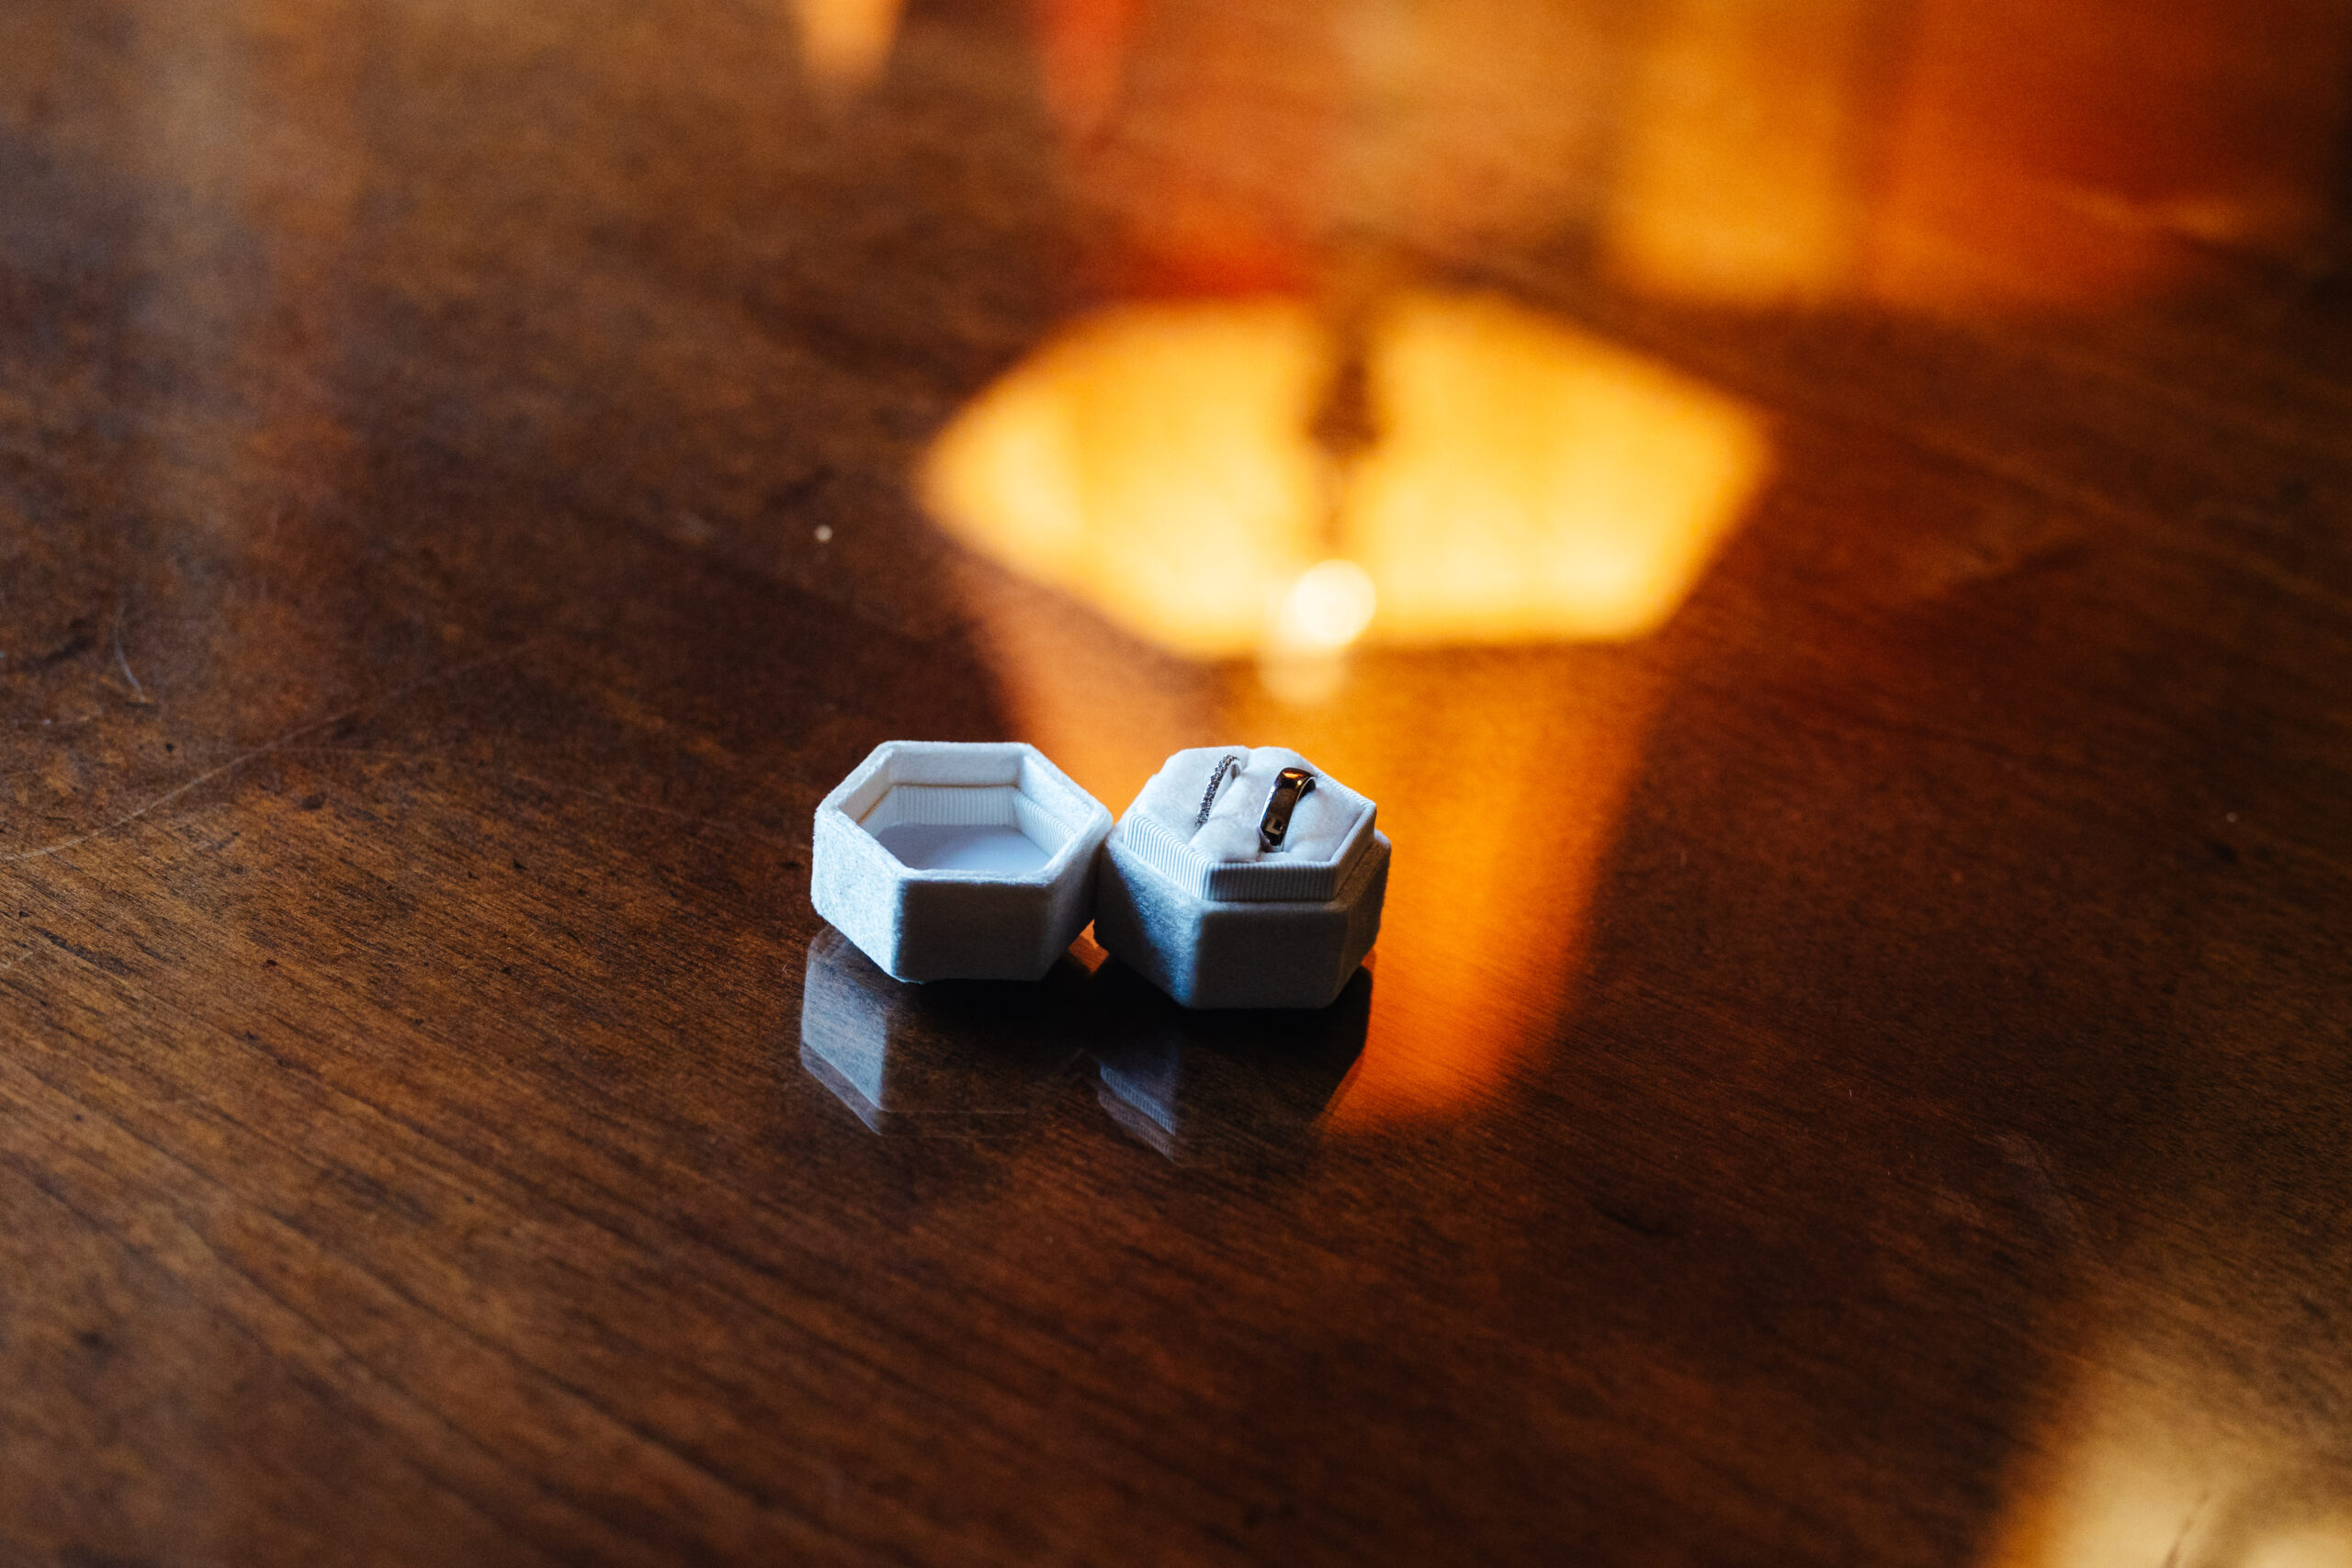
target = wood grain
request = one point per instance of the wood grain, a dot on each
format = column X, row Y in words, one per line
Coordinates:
column 1914, row 1078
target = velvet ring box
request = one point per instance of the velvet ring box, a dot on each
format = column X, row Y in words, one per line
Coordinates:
column 1187, row 894
column 958, row 860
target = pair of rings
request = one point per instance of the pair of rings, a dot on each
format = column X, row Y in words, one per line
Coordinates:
column 1291, row 787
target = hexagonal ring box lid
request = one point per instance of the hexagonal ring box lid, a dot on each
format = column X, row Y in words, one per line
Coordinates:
column 1190, row 895
column 958, row 860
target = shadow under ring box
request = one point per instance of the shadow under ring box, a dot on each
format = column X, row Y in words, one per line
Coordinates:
column 957, row 860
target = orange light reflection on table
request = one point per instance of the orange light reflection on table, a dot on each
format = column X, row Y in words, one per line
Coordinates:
column 844, row 44
column 1153, row 461
column 1970, row 154
column 2099, row 151
column 1524, row 484
column 1501, row 774
column 1532, row 483
column 2149, row 1481
column 1741, row 176
column 2198, row 1425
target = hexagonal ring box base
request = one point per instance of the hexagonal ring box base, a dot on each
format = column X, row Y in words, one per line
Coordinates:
column 1283, row 929
column 958, row 860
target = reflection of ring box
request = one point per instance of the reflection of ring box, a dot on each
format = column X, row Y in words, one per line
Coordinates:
column 1239, row 1083
column 1188, row 896
column 952, row 860
column 960, row 1058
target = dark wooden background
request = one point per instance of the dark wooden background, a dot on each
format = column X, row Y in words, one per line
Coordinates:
column 1885, row 1100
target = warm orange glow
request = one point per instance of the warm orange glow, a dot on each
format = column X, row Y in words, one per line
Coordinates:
column 845, row 43
column 2153, row 1464
column 2199, row 1418
column 1490, row 895
column 2091, row 152
column 2121, row 1495
column 1155, row 462
column 1524, row 483
column 1082, row 47
column 1980, row 154
column 1327, row 608
column 1972, row 153
column 2323, row 1545
column 1532, row 483
column 1742, row 178
column 1475, row 125
column 1489, row 903
column 1527, row 482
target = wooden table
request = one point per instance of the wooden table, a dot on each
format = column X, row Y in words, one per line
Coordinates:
column 1857, row 1074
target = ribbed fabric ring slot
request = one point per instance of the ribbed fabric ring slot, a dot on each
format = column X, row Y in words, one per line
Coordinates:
column 1042, row 825
column 946, row 806
column 1002, row 806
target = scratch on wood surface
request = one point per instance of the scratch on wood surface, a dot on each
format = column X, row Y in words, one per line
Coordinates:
column 263, row 750
column 141, row 692
column 2043, row 1188
column 22, row 954
column 622, row 800
column 2171, row 1558
column 493, row 770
